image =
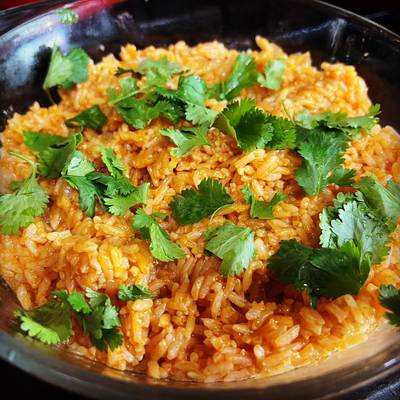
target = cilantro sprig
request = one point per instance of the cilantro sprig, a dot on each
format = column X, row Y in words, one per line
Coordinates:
column 188, row 99
column 51, row 323
column 186, row 139
column 272, row 74
column 20, row 208
column 134, row 292
column 243, row 75
column 339, row 122
column 262, row 209
column 140, row 106
column 234, row 245
column 66, row 70
column 52, row 151
column 323, row 272
column 322, row 153
column 247, row 124
column 92, row 118
column 389, row 298
column 161, row 246
column 354, row 236
column 192, row 206
column 68, row 16
column 157, row 72
column 115, row 192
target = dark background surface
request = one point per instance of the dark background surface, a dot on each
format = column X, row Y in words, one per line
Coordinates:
column 385, row 12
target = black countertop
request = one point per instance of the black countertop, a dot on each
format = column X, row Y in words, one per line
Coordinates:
column 384, row 12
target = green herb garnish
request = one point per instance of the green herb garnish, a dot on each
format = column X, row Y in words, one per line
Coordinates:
column 186, row 139
column 161, row 246
column 92, row 118
column 19, row 209
column 66, row 71
column 68, row 16
column 262, row 209
column 192, row 206
column 243, row 75
column 389, row 298
column 247, row 124
column 52, row 322
column 234, row 245
column 134, row 292
column 52, row 151
column 273, row 74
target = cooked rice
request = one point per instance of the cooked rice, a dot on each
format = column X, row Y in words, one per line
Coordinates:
column 201, row 327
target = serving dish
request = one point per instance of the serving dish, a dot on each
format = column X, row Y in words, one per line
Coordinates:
column 329, row 33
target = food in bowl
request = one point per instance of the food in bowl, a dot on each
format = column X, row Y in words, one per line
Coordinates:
column 201, row 213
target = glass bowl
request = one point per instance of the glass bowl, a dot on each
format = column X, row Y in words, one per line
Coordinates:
column 330, row 33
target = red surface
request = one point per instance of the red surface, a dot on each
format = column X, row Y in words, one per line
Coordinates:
column 14, row 3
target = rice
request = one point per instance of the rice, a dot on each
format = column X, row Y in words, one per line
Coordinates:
column 201, row 326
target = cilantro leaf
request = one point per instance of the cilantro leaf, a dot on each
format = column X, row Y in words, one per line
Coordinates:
column 200, row 115
column 98, row 300
column 253, row 131
column 389, row 298
column 192, row 89
column 243, row 75
column 161, row 246
column 190, row 96
column 322, row 153
column 19, row 209
column 339, row 122
column 262, row 209
column 172, row 110
column 322, row 272
column 115, row 192
column 121, row 71
column 75, row 173
column 68, row 16
column 66, row 71
column 384, row 202
column 138, row 113
column 111, row 186
column 78, row 303
column 111, row 338
column 191, row 206
column 52, row 153
column 187, row 100
column 284, row 133
column 273, row 74
column 342, row 176
column 102, row 323
column 134, row 292
column 234, row 245
column 88, row 193
column 231, row 115
column 78, row 165
column 127, row 92
column 120, row 195
column 158, row 72
column 248, row 125
column 92, row 118
column 50, row 323
column 37, row 141
column 114, row 165
column 351, row 220
column 187, row 139
column 120, row 205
